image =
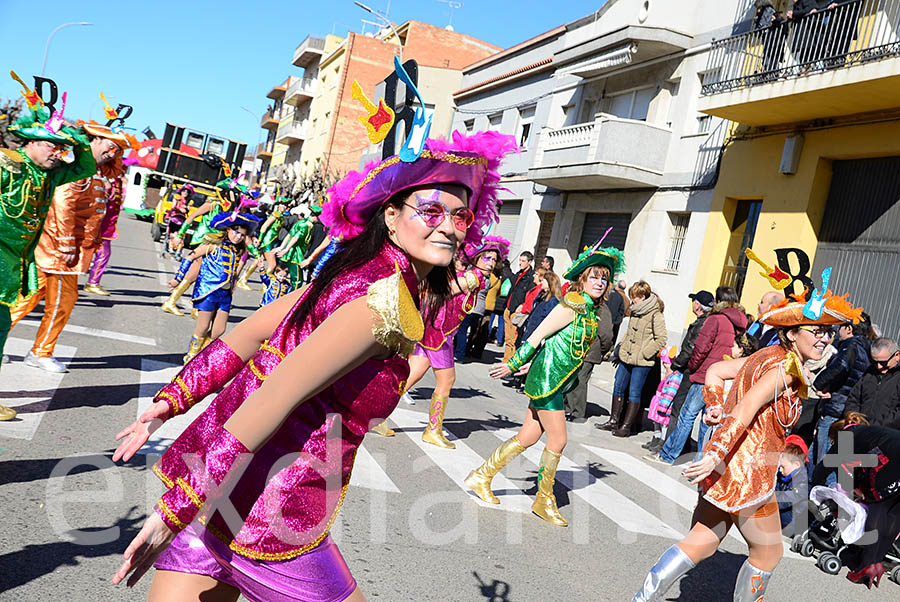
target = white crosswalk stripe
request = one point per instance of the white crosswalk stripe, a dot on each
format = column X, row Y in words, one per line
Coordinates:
column 368, row 473
column 28, row 389
column 615, row 506
column 456, row 463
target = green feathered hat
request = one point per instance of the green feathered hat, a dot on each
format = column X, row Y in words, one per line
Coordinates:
column 612, row 258
column 38, row 124
column 315, row 209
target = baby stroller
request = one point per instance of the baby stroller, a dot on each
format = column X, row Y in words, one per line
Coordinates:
column 837, row 522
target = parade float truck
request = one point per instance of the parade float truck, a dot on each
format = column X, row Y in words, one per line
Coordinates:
column 182, row 156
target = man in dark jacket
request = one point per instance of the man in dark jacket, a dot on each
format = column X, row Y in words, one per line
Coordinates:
column 714, row 341
column 877, row 394
column 835, row 382
column 521, row 284
column 576, row 400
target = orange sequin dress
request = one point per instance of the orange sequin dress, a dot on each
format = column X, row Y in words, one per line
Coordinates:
column 751, row 467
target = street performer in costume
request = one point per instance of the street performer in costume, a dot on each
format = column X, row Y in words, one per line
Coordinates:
column 294, row 390
column 219, row 263
column 435, row 350
column 555, row 352
column 295, row 247
column 108, row 232
column 268, row 233
column 738, row 470
column 66, row 247
column 28, row 178
column 228, row 195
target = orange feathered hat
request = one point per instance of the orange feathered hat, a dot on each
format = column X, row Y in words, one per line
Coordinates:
column 121, row 138
column 835, row 310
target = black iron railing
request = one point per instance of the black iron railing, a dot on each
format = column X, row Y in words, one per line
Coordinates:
column 848, row 34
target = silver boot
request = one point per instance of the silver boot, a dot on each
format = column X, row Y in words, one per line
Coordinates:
column 671, row 565
column 751, row 583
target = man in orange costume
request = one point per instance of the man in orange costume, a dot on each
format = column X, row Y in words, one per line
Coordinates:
column 66, row 248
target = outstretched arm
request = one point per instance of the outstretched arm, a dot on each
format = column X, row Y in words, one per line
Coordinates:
column 558, row 318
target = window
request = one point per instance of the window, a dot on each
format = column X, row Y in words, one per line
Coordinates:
column 588, row 110
column 676, row 239
column 568, row 113
column 469, row 126
column 631, row 105
column 494, row 121
column 137, row 178
column 703, row 123
column 743, row 231
column 526, row 121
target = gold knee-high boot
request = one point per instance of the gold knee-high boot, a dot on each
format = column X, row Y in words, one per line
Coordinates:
column 382, row 429
column 171, row 304
column 195, row 347
column 545, row 502
column 479, row 480
column 434, row 431
column 245, row 275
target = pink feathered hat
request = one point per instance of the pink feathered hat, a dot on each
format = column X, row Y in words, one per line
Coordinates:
column 490, row 243
column 469, row 161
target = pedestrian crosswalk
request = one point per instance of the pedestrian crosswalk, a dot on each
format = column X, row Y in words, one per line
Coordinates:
column 636, row 497
column 26, row 389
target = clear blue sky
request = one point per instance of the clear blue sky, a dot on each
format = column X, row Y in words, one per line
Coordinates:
column 196, row 62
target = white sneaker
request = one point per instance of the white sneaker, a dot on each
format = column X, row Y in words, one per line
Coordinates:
column 49, row 364
column 409, row 400
column 5, row 359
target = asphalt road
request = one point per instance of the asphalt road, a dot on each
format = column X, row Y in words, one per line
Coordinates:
column 408, row 530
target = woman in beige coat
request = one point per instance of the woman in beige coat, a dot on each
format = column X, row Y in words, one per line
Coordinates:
column 645, row 337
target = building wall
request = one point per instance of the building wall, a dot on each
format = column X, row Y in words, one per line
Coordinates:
column 793, row 205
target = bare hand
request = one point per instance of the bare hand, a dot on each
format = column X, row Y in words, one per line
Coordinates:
column 697, row 471
column 524, row 369
column 304, row 264
column 70, row 259
column 138, row 432
column 280, row 252
column 824, row 394
column 713, row 416
column 144, row 549
column 500, row 371
column 178, row 243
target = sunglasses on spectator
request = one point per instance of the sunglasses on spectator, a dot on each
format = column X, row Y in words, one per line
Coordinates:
column 884, row 363
column 820, row 332
column 434, row 214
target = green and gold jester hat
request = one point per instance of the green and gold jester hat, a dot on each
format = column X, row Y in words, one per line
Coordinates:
column 38, row 124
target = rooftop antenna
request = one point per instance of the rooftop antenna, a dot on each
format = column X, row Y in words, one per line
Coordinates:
column 453, row 4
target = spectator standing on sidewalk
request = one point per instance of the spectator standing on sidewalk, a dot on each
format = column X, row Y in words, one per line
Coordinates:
column 506, row 279
column 637, row 354
column 764, row 333
column 877, row 394
column 714, row 341
column 626, row 302
column 616, row 305
column 833, row 384
column 521, row 284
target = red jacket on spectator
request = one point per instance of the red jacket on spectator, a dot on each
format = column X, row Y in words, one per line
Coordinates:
column 716, row 338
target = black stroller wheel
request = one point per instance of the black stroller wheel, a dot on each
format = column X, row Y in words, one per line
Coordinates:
column 829, row 563
column 895, row 574
column 807, row 549
column 797, row 542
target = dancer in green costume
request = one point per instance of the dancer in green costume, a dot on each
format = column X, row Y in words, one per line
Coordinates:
column 268, row 233
column 28, row 177
column 295, row 247
column 555, row 351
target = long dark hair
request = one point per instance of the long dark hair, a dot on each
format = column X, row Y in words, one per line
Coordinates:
column 351, row 254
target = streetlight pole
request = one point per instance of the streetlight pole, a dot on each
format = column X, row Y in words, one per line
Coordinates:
column 383, row 18
column 50, row 37
column 256, row 119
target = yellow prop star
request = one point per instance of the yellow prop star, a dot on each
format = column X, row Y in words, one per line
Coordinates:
column 32, row 98
column 379, row 120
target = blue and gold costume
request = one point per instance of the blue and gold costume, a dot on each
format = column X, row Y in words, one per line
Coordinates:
column 218, row 271
column 275, row 289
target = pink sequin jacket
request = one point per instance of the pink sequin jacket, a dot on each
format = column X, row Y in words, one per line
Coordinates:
column 452, row 313
column 294, row 486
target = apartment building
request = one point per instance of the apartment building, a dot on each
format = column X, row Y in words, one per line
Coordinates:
column 606, row 111
column 809, row 177
column 315, row 118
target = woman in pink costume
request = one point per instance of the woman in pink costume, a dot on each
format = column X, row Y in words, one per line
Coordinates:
column 256, row 481
column 435, row 350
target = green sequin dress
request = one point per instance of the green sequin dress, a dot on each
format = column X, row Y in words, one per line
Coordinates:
column 554, row 370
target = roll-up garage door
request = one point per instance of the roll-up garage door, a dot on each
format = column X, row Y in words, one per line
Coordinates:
column 595, row 224
column 509, row 221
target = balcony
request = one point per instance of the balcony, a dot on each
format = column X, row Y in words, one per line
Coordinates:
column 278, row 91
column 269, row 121
column 609, row 152
column 308, row 51
column 302, row 90
column 291, row 133
column 835, row 62
column 595, row 52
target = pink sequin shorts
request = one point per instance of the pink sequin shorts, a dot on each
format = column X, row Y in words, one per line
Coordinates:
column 440, row 359
column 320, row 575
